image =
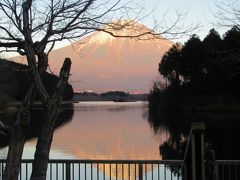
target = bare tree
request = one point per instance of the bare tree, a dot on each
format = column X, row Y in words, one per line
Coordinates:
column 228, row 13
column 31, row 28
column 227, row 16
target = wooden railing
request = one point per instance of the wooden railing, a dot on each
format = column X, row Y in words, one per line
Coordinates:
column 105, row 169
column 194, row 166
column 193, row 163
column 223, row 170
column 199, row 162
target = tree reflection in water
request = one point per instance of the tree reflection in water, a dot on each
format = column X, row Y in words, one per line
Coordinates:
column 222, row 132
column 65, row 116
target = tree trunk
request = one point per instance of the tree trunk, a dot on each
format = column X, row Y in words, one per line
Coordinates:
column 17, row 138
column 18, row 130
column 16, row 145
column 41, row 156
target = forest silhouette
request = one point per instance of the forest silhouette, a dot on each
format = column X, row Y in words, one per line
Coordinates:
column 200, row 73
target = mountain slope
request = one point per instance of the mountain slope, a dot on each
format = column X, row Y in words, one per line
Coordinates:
column 102, row 62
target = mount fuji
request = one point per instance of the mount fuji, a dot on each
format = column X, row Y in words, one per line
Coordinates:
column 101, row 62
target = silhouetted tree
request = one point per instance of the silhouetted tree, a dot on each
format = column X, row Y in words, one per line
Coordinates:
column 32, row 28
column 170, row 66
column 212, row 42
column 155, row 95
column 231, row 39
column 215, row 72
column 193, row 60
column 201, row 69
column 227, row 15
column 231, row 59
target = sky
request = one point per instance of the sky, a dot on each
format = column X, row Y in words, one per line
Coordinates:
column 197, row 12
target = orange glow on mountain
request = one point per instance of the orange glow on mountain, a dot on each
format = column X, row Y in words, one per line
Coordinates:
column 101, row 62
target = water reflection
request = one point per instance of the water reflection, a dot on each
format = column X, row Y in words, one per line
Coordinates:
column 65, row 115
column 108, row 130
column 99, row 130
column 222, row 132
column 103, row 130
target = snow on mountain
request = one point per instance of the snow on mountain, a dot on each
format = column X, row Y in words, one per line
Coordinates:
column 101, row 62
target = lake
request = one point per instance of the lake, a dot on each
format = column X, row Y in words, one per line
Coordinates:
column 101, row 130
column 127, row 130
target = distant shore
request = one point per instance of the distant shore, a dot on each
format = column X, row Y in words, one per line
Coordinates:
column 116, row 96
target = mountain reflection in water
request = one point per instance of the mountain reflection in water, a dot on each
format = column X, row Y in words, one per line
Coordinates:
column 101, row 130
column 108, row 130
column 222, row 132
column 119, row 130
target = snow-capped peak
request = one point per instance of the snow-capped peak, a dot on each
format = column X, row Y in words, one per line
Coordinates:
column 125, row 29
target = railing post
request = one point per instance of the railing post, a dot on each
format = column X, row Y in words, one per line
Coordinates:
column 68, row 171
column 140, row 171
column 214, row 166
column 216, row 171
column 198, row 165
column 210, row 163
column 194, row 167
column 193, row 158
column 185, row 171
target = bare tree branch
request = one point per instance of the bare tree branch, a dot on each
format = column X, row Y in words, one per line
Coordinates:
column 228, row 13
column 32, row 28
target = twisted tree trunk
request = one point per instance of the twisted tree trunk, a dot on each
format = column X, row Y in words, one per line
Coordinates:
column 18, row 130
column 17, row 138
column 41, row 157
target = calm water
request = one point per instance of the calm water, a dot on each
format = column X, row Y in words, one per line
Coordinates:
column 103, row 130
column 127, row 130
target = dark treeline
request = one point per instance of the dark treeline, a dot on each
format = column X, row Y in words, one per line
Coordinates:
column 119, row 96
column 15, row 80
column 200, row 73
